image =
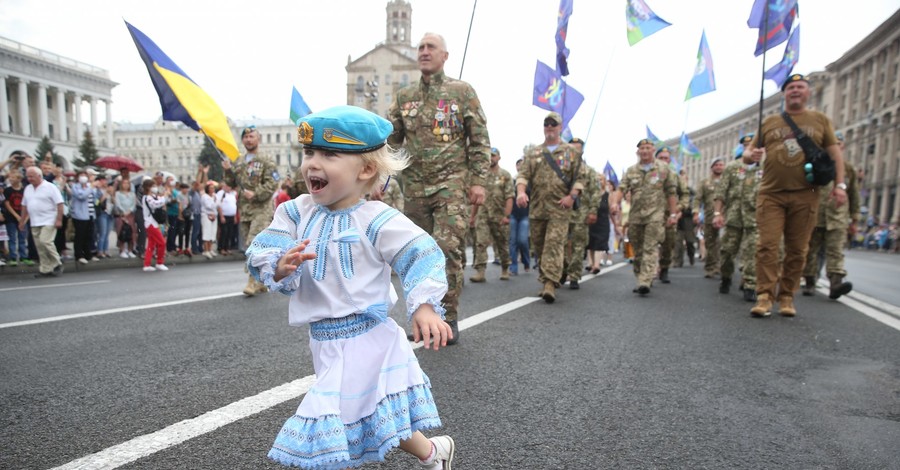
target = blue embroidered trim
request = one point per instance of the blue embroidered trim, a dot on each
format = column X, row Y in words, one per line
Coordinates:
column 269, row 240
column 326, row 442
column 322, row 247
column 292, row 211
column 311, row 223
column 283, row 286
column 329, row 329
column 420, row 259
column 378, row 222
column 344, row 248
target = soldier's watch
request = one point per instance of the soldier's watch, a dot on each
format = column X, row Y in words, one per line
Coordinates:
column 841, row 186
column 716, row 214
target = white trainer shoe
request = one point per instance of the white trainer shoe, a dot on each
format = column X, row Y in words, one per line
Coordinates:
column 148, row 269
column 444, row 448
column 162, row 267
column 123, row 255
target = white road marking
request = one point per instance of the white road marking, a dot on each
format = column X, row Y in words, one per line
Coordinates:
column 43, row 286
column 148, row 444
column 884, row 316
column 236, row 270
column 95, row 313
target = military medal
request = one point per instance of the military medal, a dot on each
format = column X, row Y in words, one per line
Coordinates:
column 413, row 112
column 742, row 174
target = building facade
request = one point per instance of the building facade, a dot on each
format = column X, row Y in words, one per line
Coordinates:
column 859, row 92
column 44, row 94
column 374, row 78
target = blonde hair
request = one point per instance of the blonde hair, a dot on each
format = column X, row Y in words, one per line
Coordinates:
column 387, row 162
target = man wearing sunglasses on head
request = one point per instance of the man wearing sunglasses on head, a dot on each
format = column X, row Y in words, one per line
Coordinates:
column 256, row 179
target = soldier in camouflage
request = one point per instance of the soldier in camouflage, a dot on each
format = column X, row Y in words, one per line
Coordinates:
column 685, row 239
column 256, row 179
column 832, row 225
column 554, row 171
column 704, row 198
column 582, row 217
column 492, row 220
column 651, row 187
column 444, row 129
column 735, row 210
column 683, row 194
column 393, row 195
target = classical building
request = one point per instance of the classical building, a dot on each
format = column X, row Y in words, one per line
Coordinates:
column 374, row 78
column 859, row 91
column 43, row 94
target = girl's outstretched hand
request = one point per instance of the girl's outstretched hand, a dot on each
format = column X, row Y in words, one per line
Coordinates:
column 427, row 325
column 292, row 260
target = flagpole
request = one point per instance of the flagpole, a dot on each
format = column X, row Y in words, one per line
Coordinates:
column 687, row 110
column 763, row 80
column 600, row 93
column 468, row 35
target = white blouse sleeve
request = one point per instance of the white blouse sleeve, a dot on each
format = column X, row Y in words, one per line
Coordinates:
column 271, row 244
column 415, row 257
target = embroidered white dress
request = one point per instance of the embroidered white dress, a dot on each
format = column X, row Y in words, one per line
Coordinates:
column 370, row 392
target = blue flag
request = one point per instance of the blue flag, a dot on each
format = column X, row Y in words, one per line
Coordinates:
column 552, row 93
column 704, row 80
column 299, row 107
column 640, row 21
column 562, row 29
column 776, row 29
column 780, row 72
column 653, row 138
column 611, row 174
column 686, row 147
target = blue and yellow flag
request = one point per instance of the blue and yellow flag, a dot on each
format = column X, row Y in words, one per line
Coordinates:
column 780, row 72
column 181, row 99
column 640, row 21
column 298, row 107
column 704, row 81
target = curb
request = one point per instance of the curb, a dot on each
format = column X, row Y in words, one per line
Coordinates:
column 72, row 267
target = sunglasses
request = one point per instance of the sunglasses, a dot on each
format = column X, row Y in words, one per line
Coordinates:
column 550, row 123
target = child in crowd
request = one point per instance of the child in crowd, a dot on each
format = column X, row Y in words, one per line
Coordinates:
column 333, row 253
column 152, row 201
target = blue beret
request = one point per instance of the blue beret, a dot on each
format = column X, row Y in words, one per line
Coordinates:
column 746, row 138
column 344, row 129
column 664, row 148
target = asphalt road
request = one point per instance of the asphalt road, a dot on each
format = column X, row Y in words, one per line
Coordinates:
column 172, row 370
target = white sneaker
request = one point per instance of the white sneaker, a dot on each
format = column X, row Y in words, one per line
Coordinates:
column 95, row 259
column 208, row 254
column 82, row 261
column 162, row 267
column 148, row 269
column 123, row 255
column 609, row 262
column 131, row 255
column 444, row 448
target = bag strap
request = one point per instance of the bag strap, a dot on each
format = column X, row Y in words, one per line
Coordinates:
column 552, row 163
column 797, row 132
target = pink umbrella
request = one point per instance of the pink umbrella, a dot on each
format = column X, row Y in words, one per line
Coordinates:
column 118, row 162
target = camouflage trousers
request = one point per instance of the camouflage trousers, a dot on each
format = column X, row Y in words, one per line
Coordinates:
column 740, row 242
column 667, row 247
column 251, row 226
column 685, row 240
column 548, row 240
column 645, row 238
column 711, row 240
column 575, row 246
column 489, row 230
column 833, row 240
column 445, row 215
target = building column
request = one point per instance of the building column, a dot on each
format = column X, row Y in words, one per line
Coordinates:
column 61, row 114
column 43, row 121
column 94, row 119
column 79, row 124
column 24, row 121
column 873, row 198
column 4, row 106
column 109, row 124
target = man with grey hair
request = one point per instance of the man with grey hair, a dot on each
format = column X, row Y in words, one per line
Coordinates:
column 42, row 207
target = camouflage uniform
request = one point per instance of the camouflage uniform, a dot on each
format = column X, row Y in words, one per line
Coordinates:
column 393, row 196
column 299, row 186
column 258, row 174
column 445, row 133
column 705, row 193
column 488, row 227
column 550, row 221
column 578, row 226
column 685, row 239
column 737, row 190
column 668, row 246
column 650, row 190
column 831, row 228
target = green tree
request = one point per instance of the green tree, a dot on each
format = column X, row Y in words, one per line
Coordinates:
column 209, row 156
column 45, row 146
column 88, row 152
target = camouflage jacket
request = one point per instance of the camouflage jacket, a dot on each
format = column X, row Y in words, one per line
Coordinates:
column 737, row 189
column 547, row 188
column 498, row 188
column 393, row 195
column 258, row 174
column 650, row 191
column 444, row 129
column 837, row 218
column 683, row 192
column 590, row 196
column 706, row 191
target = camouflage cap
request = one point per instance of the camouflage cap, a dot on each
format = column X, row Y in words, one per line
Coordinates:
column 555, row 117
column 344, row 129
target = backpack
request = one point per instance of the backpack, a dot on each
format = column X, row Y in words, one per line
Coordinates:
column 125, row 233
column 159, row 214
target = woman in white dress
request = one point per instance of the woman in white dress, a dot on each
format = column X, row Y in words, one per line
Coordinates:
column 333, row 252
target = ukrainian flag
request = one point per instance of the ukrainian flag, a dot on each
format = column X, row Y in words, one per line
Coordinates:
column 181, row 99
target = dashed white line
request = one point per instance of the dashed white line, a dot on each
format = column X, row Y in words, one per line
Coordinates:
column 44, row 286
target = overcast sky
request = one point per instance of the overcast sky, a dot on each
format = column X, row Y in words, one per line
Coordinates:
column 248, row 55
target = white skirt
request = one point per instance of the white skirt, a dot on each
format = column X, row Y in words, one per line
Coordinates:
column 208, row 228
column 369, row 394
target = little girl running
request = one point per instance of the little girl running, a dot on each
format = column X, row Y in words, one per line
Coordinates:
column 333, row 252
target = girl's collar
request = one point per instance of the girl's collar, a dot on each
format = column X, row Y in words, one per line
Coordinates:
column 347, row 210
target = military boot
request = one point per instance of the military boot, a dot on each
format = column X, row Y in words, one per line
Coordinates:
column 664, row 276
column 250, row 288
column 504, row 276
column 763, row 307
column 478, row 276
column 260, row 287
column 725, row 286
column 809, row 285
column 750, row 295
column 786, row 306
column 838, row 286
column 549, row 292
